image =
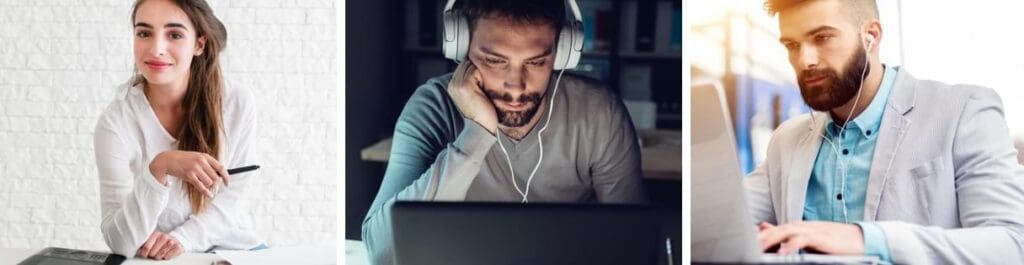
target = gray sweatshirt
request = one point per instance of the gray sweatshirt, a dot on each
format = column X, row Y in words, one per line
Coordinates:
column 591, row 154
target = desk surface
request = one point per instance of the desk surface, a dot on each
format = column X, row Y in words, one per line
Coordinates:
column 15, row 255
column 661, row 153
column 355, row 253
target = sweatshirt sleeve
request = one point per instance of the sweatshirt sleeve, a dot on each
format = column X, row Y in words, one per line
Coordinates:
column 423, row 165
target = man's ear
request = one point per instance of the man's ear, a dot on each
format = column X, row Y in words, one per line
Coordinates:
column 200, row 46
column 873, row 30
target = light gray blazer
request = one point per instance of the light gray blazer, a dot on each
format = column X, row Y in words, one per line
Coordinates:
column 945, row 185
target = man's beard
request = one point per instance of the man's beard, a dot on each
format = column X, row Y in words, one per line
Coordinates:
column 836, row 91
column 515, row 118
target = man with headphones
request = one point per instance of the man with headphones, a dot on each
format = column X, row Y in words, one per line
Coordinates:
column 911, row 171
column 504, row 127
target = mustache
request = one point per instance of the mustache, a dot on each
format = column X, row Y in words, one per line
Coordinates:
column 815, row 74
column 507, row 97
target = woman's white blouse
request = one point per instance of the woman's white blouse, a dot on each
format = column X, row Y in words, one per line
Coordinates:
column 127, row 138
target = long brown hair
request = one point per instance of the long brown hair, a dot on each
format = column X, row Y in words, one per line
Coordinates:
column 202, row 125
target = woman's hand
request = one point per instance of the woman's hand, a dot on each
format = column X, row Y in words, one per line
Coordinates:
column 199, row 169
column 160, row 246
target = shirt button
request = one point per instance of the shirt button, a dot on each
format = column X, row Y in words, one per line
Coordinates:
column 869, row 132
column 846, row 151
column 839, row 196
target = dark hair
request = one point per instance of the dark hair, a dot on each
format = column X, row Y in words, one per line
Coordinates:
column 859, row 10
column 547, row 12
column 203, row 122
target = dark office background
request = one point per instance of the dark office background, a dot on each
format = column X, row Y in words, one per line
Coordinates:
column 392, row 46
column 372, row 101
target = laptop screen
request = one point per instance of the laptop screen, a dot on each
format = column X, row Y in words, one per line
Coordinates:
column 535, row 233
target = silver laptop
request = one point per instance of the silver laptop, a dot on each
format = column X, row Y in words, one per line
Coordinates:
column 722, row 228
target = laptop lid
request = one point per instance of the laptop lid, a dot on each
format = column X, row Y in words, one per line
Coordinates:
column 722, row 228
column 456, row 233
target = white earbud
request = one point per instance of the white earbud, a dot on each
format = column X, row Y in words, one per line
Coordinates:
column 871, row 42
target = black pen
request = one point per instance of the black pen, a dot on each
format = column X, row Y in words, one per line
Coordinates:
column 242, row 169
column 216, row 187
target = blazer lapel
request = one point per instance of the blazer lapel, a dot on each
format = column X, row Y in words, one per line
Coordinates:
column 801, row 165
column 895, row 124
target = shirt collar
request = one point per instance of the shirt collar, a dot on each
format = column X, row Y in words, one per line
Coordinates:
column 868, row 122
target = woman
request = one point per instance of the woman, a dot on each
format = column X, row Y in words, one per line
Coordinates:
column 163, row 147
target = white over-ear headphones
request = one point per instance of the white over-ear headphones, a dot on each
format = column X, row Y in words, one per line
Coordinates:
column 567, row 53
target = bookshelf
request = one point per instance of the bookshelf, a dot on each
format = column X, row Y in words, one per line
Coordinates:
column 633, row 46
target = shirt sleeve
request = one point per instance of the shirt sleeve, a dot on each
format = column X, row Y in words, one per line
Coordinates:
column 423, row 165
column 874, row 242
column 130, row 204
column 223, row 215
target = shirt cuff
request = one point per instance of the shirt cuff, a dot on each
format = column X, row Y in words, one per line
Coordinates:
column 150, row 186
column 186, row 245
column 874, row 242
column 151, row 181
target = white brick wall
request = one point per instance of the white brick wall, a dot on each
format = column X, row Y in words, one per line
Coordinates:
column 60, row 62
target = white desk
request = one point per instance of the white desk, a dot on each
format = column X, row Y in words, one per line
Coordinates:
column 355, row 253
column 312, row 254
column 13, row 256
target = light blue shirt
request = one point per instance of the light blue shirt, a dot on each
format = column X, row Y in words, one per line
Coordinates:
column 852, row 151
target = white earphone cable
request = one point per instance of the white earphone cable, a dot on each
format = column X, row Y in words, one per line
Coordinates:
column 551, row 107
column 843, row 166
column 575, row 37
column 540, row 143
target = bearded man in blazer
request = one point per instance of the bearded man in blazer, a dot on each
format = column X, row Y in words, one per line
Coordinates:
column 911, row 171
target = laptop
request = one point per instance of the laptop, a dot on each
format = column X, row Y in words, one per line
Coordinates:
column 464, row 233
column 722, row 228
